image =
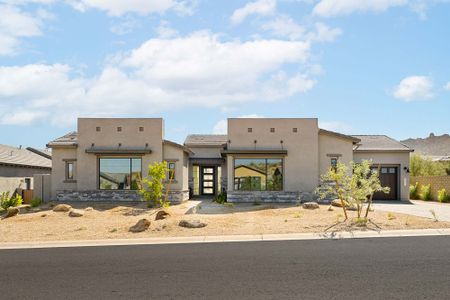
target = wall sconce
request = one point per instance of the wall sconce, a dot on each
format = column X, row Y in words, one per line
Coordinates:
column 120, row 144
column 406, row 169
column 254, row 142
column 281, row 142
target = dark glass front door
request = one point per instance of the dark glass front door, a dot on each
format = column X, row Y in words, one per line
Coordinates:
column 208, row 180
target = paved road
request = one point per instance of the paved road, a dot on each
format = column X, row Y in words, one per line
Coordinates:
column 417, row 208
column 382, row 268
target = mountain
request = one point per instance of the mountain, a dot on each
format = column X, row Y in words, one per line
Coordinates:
column 433, row 145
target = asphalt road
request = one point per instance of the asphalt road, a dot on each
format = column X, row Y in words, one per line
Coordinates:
column 381, row 268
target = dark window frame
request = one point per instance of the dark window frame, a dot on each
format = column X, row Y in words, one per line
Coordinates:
column 68, row 171
column 169, row 170
column 130, row 172
column 266, row 159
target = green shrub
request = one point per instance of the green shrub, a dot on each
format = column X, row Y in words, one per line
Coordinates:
column 36, row 201
column 6, row 201
column 414, row 191
column 443, row 196
column 221, row 198
column 424, row 166
column 425, row 193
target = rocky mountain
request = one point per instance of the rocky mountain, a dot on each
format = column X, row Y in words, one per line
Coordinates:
column 433, row 145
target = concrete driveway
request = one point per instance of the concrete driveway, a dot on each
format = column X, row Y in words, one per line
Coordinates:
column 417, row 208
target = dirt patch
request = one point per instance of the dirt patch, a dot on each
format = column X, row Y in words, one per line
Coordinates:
column 111, row 221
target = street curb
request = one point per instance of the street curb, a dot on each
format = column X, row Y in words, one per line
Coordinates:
column 228, row 238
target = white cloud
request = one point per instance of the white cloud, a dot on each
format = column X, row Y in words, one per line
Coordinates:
column 165, row 31
column 284, row 26
column 15, row 25
column 323, row 33
column 221, row 127
column 198, row 70
column 336, row 126
column 259, row 7
column 447, row 86
column 141, row 7
column 331, row 8
column 414, row 88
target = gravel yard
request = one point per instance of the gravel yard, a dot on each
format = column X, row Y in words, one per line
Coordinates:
column 112, row 221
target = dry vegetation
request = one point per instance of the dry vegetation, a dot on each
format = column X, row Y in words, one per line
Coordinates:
column 110, row 221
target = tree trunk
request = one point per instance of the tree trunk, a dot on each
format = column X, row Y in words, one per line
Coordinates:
column 342, row 201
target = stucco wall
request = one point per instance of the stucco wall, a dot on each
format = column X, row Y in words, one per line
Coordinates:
column 17, row 171
column 332, row 146
column 130, row 136
column 58, row 178
column 206, row 152
column 11, row 184
column 179, row 157
column 399, row 159
column 301, row 165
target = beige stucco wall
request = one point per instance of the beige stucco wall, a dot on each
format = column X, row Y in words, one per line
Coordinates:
column 301, row 165
column 180, row 158
column 206, row 152
column 130, row 136
column 400, row 159
column 58, row 177
column 333, row 146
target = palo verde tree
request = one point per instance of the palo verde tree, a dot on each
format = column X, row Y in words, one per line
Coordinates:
column 152, row 187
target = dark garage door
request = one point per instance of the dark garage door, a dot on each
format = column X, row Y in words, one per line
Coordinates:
column 389, row 178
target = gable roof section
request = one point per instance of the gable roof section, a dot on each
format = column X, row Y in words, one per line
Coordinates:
column 205, row 140
column 184, row 148
column 14, row 156
column 380, row 143
column 68, row 140
column 339, row 135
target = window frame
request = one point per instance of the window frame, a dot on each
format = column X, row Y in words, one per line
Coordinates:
column 130, row 158
column 334, row 167
column 68, row 171
column 266, row 159
column 171, row 170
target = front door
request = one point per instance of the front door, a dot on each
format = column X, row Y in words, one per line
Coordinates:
column 389, row 178
column 208, row 179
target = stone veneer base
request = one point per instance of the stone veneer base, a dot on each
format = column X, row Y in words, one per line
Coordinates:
column 270, row 197
column 114, row 196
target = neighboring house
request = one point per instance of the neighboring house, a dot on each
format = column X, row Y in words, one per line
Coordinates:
column 268, row 159
column 106, row 158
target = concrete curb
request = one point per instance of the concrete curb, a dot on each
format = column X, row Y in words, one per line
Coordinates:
column 228, row 238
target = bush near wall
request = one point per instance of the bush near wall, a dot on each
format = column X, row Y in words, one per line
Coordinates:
column 436, row 183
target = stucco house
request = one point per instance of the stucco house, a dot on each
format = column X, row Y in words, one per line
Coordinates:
column 267, row 159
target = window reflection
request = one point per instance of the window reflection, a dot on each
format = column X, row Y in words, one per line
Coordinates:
column 258, row 174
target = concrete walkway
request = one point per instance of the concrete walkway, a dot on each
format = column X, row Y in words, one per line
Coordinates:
column 417, row 208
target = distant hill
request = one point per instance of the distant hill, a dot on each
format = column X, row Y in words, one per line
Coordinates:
column 434, row 145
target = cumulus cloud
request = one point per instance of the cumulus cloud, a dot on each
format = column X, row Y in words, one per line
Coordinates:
column 16, row 24
column 195, row 70
column 221, row 127
column 332, row 8
column 141, row 7
column 414, row 88
column 259, row 7
column 284, row 26
column 447, row 86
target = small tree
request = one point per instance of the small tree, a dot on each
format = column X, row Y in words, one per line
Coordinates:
column 152, row 187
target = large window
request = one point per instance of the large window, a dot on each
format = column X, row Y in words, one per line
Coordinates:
column 119, row 173
column 258, row 174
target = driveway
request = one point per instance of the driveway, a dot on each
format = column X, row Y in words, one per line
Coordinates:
column 417, row 208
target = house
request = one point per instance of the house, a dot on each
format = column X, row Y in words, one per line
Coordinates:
column 267, row 159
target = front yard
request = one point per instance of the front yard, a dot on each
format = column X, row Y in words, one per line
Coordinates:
column 113, row 221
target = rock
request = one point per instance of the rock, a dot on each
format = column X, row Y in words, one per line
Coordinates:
column 161, row 215
column 76, row 213
column 338, row 203
column 191, row 224
column 89, row 208
column 62, row 208
column 43, row 215
column 310, row 205
column 141, row 225
column 11, row 212
column 330, row 208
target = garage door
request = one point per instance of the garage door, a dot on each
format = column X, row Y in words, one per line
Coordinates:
column 389, row 178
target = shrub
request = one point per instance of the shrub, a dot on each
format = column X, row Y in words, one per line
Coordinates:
column 6, row 201
column 414, row 191
column 221, row 198
column 425, row 193
column 152, row 189
column 36, row 201
column 443, row 196
column 424, row 166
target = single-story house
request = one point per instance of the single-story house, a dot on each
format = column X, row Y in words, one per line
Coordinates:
column 267, row 159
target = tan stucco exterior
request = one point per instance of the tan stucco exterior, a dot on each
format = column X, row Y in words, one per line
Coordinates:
column 331, row 146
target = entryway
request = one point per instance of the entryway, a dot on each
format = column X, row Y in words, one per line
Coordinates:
column 389, row 177
column 207, row 180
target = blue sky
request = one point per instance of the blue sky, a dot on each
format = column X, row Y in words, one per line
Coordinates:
column 361, row 67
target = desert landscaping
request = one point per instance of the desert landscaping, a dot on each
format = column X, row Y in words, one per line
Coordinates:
column 89, row 221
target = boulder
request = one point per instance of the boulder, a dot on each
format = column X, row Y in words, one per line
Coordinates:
column 310, row 205
column 62, row 208
column 191, row 224
column 89, row 208
column 11, row 212
column 161, row 215
column 141, row 225
column 330, row 208
column 76, row 213
column 338, row 203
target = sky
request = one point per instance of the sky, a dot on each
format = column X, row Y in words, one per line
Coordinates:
column 360, row 67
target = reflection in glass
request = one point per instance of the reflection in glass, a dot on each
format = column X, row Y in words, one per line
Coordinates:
column 119, row 173
column 258, row 174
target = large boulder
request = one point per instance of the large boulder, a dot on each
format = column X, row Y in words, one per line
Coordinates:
column 310, row 205
column 338, row 203
column 62, row 208
column 11, row 212
column 161, row 215
column 192, row 224
column 76, row 213
column 141, row 225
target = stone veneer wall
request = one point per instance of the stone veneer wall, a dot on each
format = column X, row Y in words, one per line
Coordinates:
column 269, row 197
column 117, row 195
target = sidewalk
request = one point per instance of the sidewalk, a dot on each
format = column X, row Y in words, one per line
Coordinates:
column 230, row 238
